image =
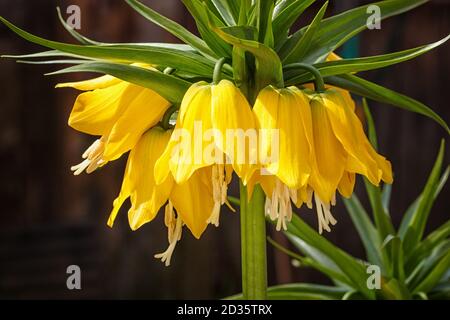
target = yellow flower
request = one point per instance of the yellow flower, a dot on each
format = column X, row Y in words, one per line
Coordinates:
column 322, row 146
column 118, row 111
column 189, row 203
column 208, row 135
column 286, row 156
column 341, row 151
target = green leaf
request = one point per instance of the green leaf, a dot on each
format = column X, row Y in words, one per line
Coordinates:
column 167, row 86
column 392, row 289
column 300, row 49
column 228, row 10
column 80, row 38
column 427, row 264
column 336, row 30
column 434, row 239
column 383, row 222
column 344, row 66
column 435, row 275
column 300, row 291
column 265, row 10
column 365, row 228
column 392, row 245
column 285, row 14
column 201, row 14
column 315, row 259
column 413, row 207
column 372, row 134
column 417, row 223
column 379, row 93
column 386, row 197
column 178, row 59
column 352, row 268
column 171, row 26
column 268, row 65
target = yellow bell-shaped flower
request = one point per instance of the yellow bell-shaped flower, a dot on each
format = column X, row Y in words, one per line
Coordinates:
column 341, row 150
column 118, row 111
column 210, row 132
column 189, row 203
column 285, row 148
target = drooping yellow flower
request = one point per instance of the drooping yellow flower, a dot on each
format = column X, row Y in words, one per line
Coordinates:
column 189, row 203
column 322, row 146
column 341, row 151
column 118, row 111
column 210, row 132
column 285, row 148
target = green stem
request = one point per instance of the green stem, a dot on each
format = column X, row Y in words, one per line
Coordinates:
column 165, row 122
column 218, row 70
column 253, row 244
column 319, row 83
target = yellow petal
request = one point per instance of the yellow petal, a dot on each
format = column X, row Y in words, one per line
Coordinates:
column 95, row 112
column 91, row 84
column 384, row 165
column 331, row 157
column 347, row 184
column 184, row 153
column 348, row 129
column 194, row 202
column 144, row 110
column 232, row 116
column 281, row 109
column 139, row 182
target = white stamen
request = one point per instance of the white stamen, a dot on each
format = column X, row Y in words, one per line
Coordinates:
column 309, row 192
column 174, row 230
column 93, row 158
column 220, row 189
column 324, row 216
column 279, row 205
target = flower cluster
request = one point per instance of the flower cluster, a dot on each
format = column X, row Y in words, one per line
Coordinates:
column 320, row 146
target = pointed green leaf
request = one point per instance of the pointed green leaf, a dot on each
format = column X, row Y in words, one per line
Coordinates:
column 201, row 14
column 265, row 11
column 383, row 222
column 416, row 225
column 379, row 93
column 228, row 10
column 435, row 275
column 352, row 268
column 285, row 14
column 168, row 86
column 372, row 134
column 177, row 59
column 299, row 50
column 392, row 245
column 432, row 241
column 365, row 229
column 345, row 66
column 171, row 26
column 336, row 30
column 82, row 39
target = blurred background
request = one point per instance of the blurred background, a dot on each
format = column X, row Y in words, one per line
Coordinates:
column 51, row 219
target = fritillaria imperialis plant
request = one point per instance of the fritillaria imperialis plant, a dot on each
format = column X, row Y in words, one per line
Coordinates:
column 409, row 265
column 247, row 73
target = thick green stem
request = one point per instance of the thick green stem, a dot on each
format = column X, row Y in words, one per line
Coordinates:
column 319, row 84
column 253, row 244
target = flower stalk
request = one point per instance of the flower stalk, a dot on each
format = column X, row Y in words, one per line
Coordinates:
column 253, row 244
